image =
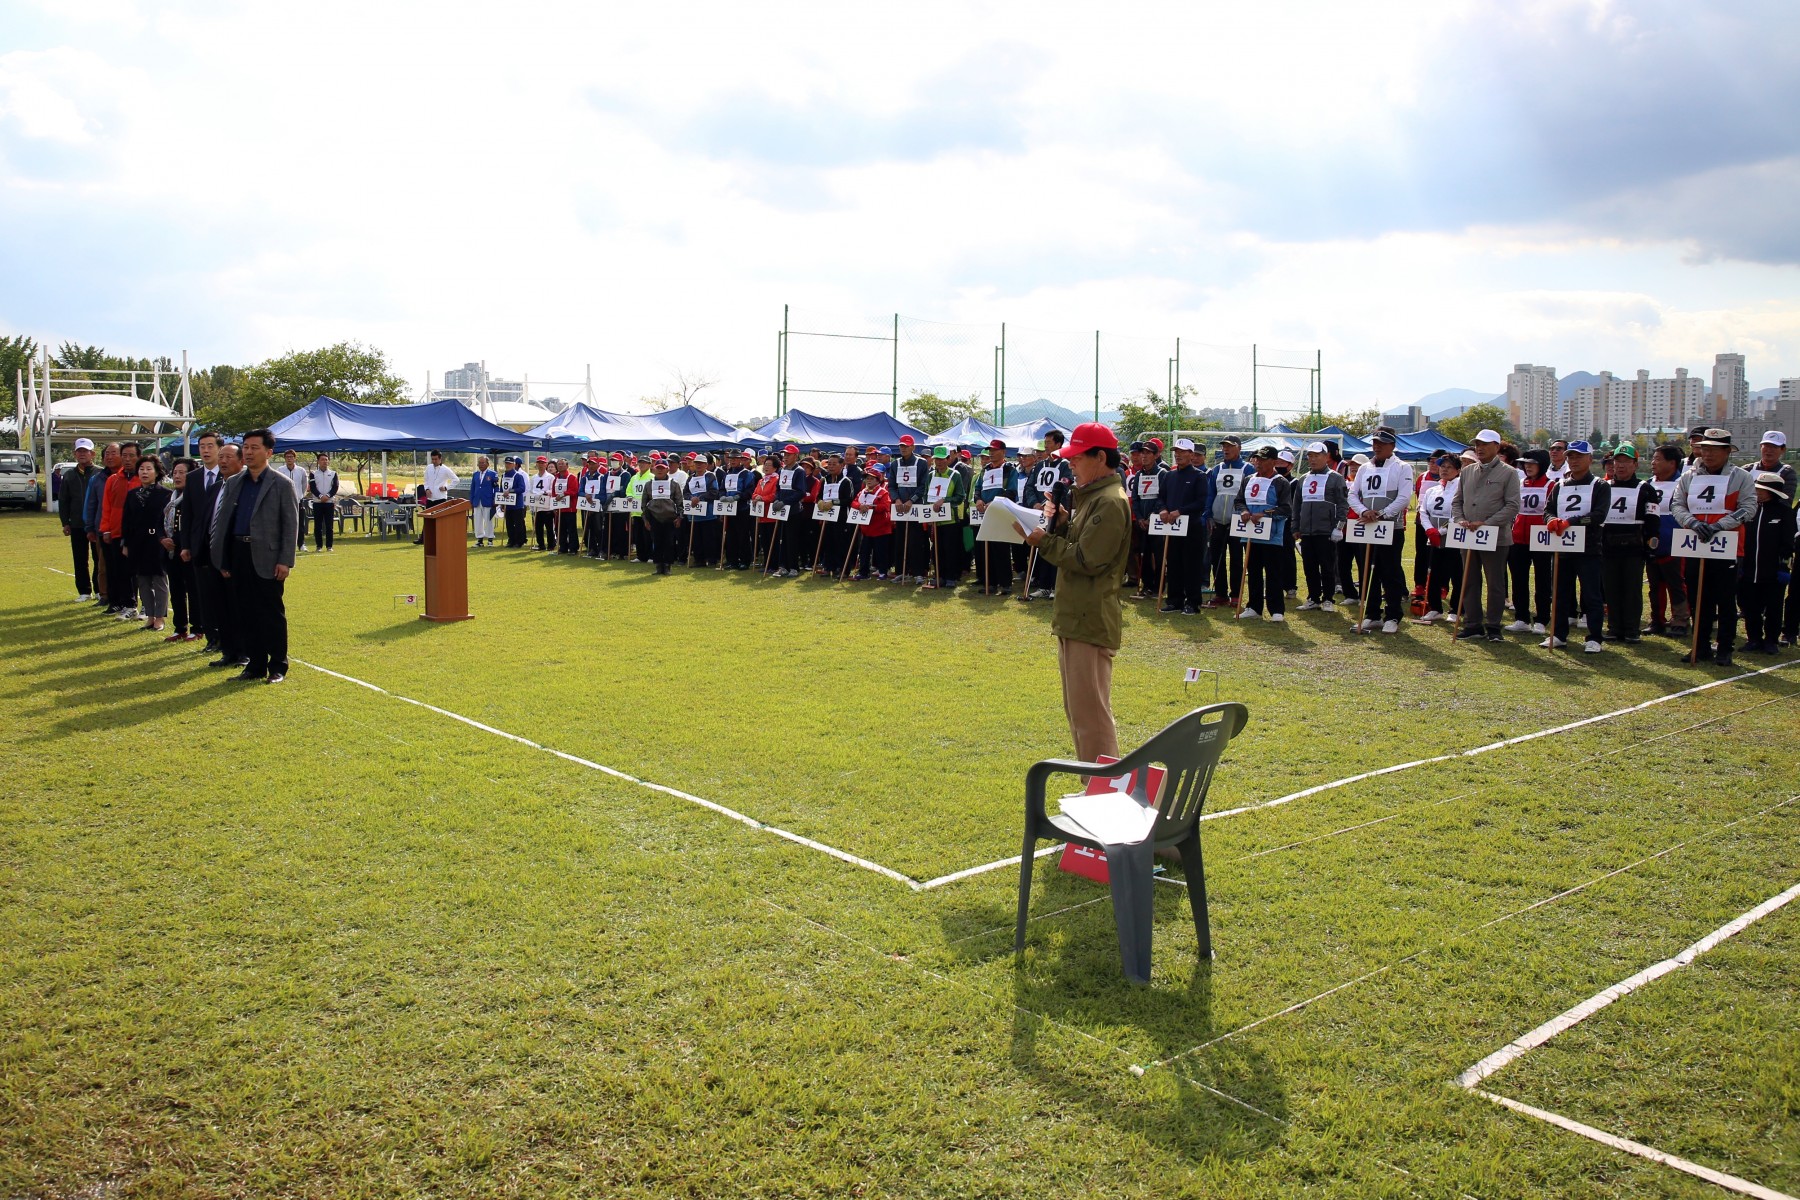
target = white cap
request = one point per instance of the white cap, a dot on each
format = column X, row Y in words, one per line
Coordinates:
column 1286, row 456
column 1772, row 438
column 84, row 443
column 1316, row 448
column 1184, row 443
column 1487, row 435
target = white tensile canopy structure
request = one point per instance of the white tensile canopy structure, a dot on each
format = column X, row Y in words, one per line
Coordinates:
column 517, row 415
column 59, row 404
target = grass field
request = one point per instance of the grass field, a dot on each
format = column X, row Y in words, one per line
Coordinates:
column 314, row 940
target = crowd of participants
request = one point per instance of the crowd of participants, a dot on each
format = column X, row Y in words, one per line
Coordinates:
column 910, row 515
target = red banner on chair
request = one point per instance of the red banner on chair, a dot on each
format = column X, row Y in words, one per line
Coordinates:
column 1091, row 864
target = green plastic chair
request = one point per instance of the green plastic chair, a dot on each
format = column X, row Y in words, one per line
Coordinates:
column 1188, row 750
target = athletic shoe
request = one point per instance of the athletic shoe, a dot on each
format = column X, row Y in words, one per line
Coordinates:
column 192, row 637
column 1493, row 634
column 1169, row 608
column 84, row 597
column 246, row 676
column 1309, row 606
column 1722, row 659
column 1278, row 618
column 275, row 677
column 1041, row 594
column 1703, row 654
column 1249, row 614
column 1328, row 606
column 1590, row 647
column 1390, row 627
column 1363, row 627
column 1430, row 617
column 1537, row 627
column 1188, row 610
column 1470, row 634
column 1552, row 643
column 1518, row 627
column 1631, row 639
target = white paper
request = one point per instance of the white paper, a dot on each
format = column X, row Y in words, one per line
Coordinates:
column 1260, row 531
column 1004, row 512
column 861, row 516
column 1110, row 818
column 1687, row 544
column 938, row 489
column 725, row 508
column 1482, row 537
column 1161, row 528
column 1374, row 533
column 1570, row 541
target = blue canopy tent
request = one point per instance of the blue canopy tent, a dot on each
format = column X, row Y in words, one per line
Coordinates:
column 804, row 429
column 1427, row 443
column 580, row 427
column 1030, row 433
column 332, row 426
column 1351, row 443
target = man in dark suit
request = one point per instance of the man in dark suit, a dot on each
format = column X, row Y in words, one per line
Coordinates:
column 254, row 536
column 199, row 500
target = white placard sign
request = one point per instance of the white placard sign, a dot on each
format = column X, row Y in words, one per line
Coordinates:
column 620, row 504
column 1243, row 528
column 1482, row 537
column 824, row 512
column 1686, row 543
column 861, row 516
column 693, row 508
column 1161, row 528
column 976, row 516
column 589, row 504
column 903, row 513
column 725, row 508
column 780, row 512
column 1369, row 533
column 758, row 508
column 931, row 514
column 1572, row 540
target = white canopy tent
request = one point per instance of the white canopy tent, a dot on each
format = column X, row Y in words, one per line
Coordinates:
column 60, row 404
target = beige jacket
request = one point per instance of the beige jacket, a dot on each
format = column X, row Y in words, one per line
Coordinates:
column 1488, row 495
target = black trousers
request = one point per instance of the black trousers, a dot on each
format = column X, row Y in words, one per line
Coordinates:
column 662, row 541
column 1622, row 588
column 708, row 536
column 545, row 524
column 1668, row 594
column 1266, row 576
column 1716, row 613
column 834, row 545
column 1531, row 598
column 874, row 555
column 182, row 606
column 1385, row 593
column 640, row 539
column 993, row 566
column 1349, row 564
column 739, row 533
column 1149, row 558
column 568, row 539
column 1790, row 620
column 216, row 612
column 593, row 534
column 1587, row 571
column 1221, row 546
column 1444, row 571
column 515, row 527
column 260, row 613
column 84, row 552
column 324, row 524
column 1319, row 555
column 914, row 548
column 1423, row 561
column 1760, row 601
column 1290, row 569
column 120, row 584
column 1187, row 567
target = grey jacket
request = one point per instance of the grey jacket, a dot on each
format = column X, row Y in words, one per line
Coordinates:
column 274, row 525
column 1313, row 518
column 1488, row 495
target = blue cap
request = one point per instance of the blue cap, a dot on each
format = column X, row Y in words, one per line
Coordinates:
column 1580, row 448
column 882, row 450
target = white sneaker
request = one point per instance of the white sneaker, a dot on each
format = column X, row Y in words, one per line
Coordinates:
column 1308, row 606
column 1390, row 627
column 1579, row 623
column 1518, row 627
column 1537, row 627
column 1363, row 627
column 1249, row 614
column 1278, row 618
column 1552, row 643
column 84, row 599
column 1590, row 647
column 1433, row 615
column 1328, row 606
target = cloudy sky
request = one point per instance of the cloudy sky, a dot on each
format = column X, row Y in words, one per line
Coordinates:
column 1425, row 193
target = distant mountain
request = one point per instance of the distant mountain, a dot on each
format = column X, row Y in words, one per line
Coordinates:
column 1454, row 402
column 1565, row 387
column 1019, row 412
column 1765, row 393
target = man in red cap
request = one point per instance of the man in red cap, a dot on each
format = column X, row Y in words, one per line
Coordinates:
column 1089, row 550
column 907, row 480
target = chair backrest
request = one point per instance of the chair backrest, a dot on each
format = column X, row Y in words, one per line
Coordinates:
column 1188, row 749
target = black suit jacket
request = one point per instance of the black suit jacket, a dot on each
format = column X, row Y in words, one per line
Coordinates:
column 197, row 503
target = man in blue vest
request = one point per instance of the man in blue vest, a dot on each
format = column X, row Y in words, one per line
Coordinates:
column 511, row 498
column 484, row 486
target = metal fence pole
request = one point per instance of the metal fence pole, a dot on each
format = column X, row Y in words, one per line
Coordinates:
column 1096, row 374
column 896, row 400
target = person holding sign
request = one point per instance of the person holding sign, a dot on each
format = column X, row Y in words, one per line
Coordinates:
column 737, row 484
column 944, row 488
column 1531, row 596
column 1184, row 561
column 511, row 497
column 1628, row 535
column 1713, row 497
column 1322, row 502
column 703, row 524
column 1668, row 590
column 594, row 484
column 792, row 486
column 1265, row 501
column 1486, row 497
column 875, row 549
column 1089, row 552
column 1768, row 541
column 662, row 513
column 1224, row 552
column 906, row 487
column 836, row 491
column 993, row 568
column 1443, row 569
column 1051, row 484
column 1382, row 491
column 543, row 518
column 1578, row 501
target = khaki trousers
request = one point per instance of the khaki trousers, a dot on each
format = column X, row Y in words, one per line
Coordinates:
column 1087, row 697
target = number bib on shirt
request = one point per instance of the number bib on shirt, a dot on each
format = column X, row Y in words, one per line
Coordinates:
column 787, row 479
column 1707, row 496
column 659, row 489
column 1230, row 480
column 1258, row 491
column 909, row 474
column 938, row 489
column 1665, row 491
column 1622, row 508
column 993, row 479
column 1046, row 480
column 1574, row 501
column 1312, row 488
column 1531, row 501
column 1149, row 485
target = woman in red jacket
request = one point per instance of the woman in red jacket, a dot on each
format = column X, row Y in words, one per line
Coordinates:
column 764, row 494
column 1531, row 604
column 877, row 547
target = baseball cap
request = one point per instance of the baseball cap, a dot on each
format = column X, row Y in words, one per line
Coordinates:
column 877, row 469
column 1626, row 450
column 1773, row 437
column 1267, row 453
column 941, row 452
column 1487, row 435
column 543, row 459
column 1286, row 456
column 1139, row 447
column 1385, row 436
column 790, row 448
column 906, row 439
column 997, row 444
column 1156, row 444
column 1580, row 447
column 1361, row 460
column 84, row 443
column 1184, row 443
column 1317, row 448
column 1231, row 440
column 1089, row 435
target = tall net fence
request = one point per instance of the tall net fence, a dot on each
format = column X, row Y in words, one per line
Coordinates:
column 831, row 367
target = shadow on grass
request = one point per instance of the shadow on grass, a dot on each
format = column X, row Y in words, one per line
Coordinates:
column 412, row 627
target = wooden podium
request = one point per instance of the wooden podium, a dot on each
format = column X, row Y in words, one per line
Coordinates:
column 446, row 561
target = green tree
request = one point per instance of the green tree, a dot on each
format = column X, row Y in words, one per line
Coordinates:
column 1480, row 416
column 270, row 390
column 934, row 414
column 1152, row 414
column 16, row 354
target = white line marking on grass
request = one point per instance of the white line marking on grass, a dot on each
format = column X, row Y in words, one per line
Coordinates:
column 1500, row 745
column 59, row 571
column 1462, row 933
column 1517, row 1048
column 752, row 822
column 986, row 867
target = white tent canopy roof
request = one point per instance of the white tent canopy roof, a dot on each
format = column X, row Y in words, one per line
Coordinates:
column 109, row 412
column 516, row 415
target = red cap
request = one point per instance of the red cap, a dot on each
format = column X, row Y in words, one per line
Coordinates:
column 688, row 457
column 906, row 439
column 871, row 449
column 965, row 454
column 790, row 449
column 542, row 459
column 1089, row 435
column 997, row 444
column 1157, row 442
